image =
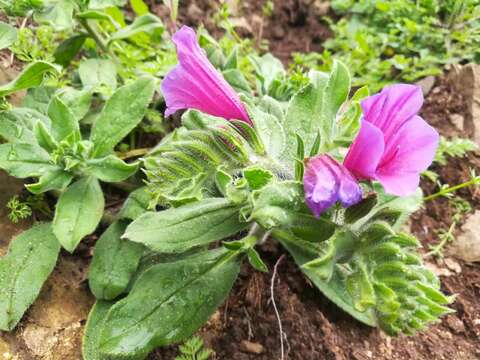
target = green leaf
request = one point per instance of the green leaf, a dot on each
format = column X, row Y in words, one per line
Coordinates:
column 102, row 4
column 114, row 262
column 323, row 97
column 237, row 80
column 78, row 101
column 43, row 137
column 267, row 69
column 142, row 24
column 8, row 35
column 25, row 160
column 31, row 76
column 256, row 261
column 30, row 260
column 93, row 328
column 51, row 180
column 97, row 73
column 168, row 303
column 68, row 49
column 79, row 210
column 94, row 15
column 111, row 168
column 58, row 14
column 121, row 114
column 63, row 120
column 304, row 252
column 18, row 124
column 191, row 225
column 136, row 204
column 360, row 210
column 269, row 129
column 38, row 98
column 139, row 7
column 257, row 177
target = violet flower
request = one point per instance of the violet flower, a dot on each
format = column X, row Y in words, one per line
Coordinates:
column 195, row 84
column 326, row 181
column 394, row 144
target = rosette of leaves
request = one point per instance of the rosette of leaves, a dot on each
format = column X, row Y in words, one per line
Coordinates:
column 227, row 181
column 53, row 149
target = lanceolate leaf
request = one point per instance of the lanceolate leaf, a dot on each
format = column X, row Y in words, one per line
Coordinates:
column 168, row 303
column 179, row 229
column 31, row 258
column 114, row 262
column 144, row 23
column 136, row 204
column 95, row 73
column 68, row 49
column 95, row 323
column 122, row 112
column 31, row 76
column 63, row 120
column 25, row 160
column 51, row 180
column 79, row 210
column 111, row 168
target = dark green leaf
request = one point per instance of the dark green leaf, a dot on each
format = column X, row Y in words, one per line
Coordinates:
column 29, row 262
column 95, row 323
column 79, row 210
column 237, row 80
column 179, row 229
column 68, row 49
column 111, row 168
column 168, row 303
column 121, row 114
column 256, row 261
column 31, row 76
column 114, row 262
column 360, row 210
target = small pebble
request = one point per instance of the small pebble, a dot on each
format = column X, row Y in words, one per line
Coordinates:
column 251, row 347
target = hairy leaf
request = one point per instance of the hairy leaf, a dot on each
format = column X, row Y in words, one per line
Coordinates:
column 191, row 225
column 8, row 35
column 95, row 73
column 114, row 262
column 168, row 303
column 144, row 23
column 79, row 210
column 31, row 76
column 68, row 49
column 93, row 328
column 51, row 180
column 63, row 120
column 111, row 168
column 121, row 114
column 29, row 262
column 25, row 160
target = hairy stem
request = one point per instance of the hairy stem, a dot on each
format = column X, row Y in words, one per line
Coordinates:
column 451, row 189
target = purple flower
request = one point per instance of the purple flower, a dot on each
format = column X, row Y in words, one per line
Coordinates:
column 326, row 181
column 195, row 84
column 394, row 144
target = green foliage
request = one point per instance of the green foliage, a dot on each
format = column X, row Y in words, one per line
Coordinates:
column 8, row 35
column 31, row 257
column 93, row 328
column 193, row 349
column 18, row 210
column 187, row 292
column 401, row 40
column 453, row 148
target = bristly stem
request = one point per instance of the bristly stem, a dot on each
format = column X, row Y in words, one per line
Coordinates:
column 443, row 192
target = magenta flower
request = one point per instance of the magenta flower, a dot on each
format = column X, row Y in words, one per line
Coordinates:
column 195, row 84
column 394, row 144
column 326, row 181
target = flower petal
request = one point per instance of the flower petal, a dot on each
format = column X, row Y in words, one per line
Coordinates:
column 320, row 184
column 326, row 182
column 392, row 107
column 366, row 151
column 410, row 152
column 195, row 83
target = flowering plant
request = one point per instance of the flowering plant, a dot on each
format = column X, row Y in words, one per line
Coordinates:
column 243, row 169
column 330, row 178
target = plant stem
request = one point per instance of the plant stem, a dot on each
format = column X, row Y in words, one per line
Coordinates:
column 445, row 238
column 134, row 153
column 98, row 39
column 451, row 189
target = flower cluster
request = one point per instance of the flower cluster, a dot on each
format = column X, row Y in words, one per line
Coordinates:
column 394, row 144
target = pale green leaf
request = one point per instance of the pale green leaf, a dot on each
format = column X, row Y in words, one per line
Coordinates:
column 25, row 160
column 143, row 24
column 63, row 120
column 111, row 168
column 97, row 73
column 8, row 35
